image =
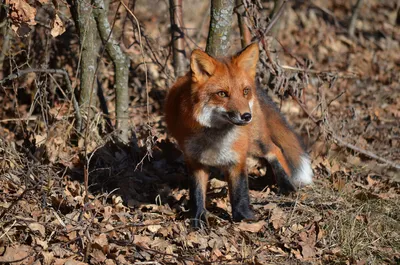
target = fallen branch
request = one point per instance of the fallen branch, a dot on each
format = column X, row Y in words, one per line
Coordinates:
column 340, row 141
column 51, row 71
column 310, row 71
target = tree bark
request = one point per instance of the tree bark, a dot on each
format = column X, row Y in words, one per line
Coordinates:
column 218, row 41
column 178, row 45
column 245, row 35
column 121, row 65
column 82, row 13
column 6, row 43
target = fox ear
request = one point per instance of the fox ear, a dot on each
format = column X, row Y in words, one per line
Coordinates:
column 247, row 59
column 202, row 65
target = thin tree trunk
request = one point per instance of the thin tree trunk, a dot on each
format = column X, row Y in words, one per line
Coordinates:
column 82, row 13
column 218, row 41
column 179, row 55
column 5, row 46
column 245, row 35
column 353, row 20
column 121, row 65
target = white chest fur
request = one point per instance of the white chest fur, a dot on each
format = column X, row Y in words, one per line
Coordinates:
column 213, row 147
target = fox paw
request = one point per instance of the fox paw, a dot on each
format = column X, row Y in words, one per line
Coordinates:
column 200, row 220
column 243, row 214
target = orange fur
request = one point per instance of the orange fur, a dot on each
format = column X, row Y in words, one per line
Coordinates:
column 219, row 118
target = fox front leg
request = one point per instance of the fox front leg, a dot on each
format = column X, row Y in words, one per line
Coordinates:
column 239, row 193
column 197, row 193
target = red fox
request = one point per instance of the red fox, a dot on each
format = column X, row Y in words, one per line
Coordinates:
column 219, row 117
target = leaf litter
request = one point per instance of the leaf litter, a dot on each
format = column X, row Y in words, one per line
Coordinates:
column 349, row 216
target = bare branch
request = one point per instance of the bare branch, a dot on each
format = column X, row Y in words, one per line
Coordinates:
column 67, row 81
column 276, row 17
column 245, row 35
column 353, row 20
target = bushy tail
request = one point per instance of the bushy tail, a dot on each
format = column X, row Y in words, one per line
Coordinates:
column 296, row 158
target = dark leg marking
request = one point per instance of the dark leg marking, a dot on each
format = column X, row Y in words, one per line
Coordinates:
column 197, row 206
column 240, row 200
column 285, row 184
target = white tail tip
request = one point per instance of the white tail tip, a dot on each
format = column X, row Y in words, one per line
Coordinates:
column 303, row 175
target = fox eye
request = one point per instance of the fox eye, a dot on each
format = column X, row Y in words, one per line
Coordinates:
column 246, row 91
column 222, row 94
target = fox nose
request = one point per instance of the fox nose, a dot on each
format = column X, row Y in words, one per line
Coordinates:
column 246, row 116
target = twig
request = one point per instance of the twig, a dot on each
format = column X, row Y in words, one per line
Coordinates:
column 275, row 18
column 245, row 35
column 342, row 142
column 19, row 198
column 51, row 71
column 5, row 232
column 262, row 33
column 327, row 12
column 298, row 60
column 310, row 71
column 352, row 25
column 32, row 118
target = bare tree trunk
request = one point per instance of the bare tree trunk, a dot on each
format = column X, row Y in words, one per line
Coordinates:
column 218, row 41
column 175, row 7
column 121, row 65
column 82, row 13
column 353, row 20
column 245, row 35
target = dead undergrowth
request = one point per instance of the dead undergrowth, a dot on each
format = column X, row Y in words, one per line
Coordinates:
column 135, row 211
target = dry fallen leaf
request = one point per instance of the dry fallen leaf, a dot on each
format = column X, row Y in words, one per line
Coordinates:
column 307, row 251
column 98, row 256
column 154, row 228
column 48, row 257
column 58, row 27
column 278, row 218
column 17, row 252
column 217, row 184
column 21, row 12
column 101, row 242
column 252, row 227
column 38, row 227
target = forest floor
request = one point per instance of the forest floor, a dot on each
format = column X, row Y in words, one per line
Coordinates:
column 136, row 210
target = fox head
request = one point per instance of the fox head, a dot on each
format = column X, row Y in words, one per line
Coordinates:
column 223, row 91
